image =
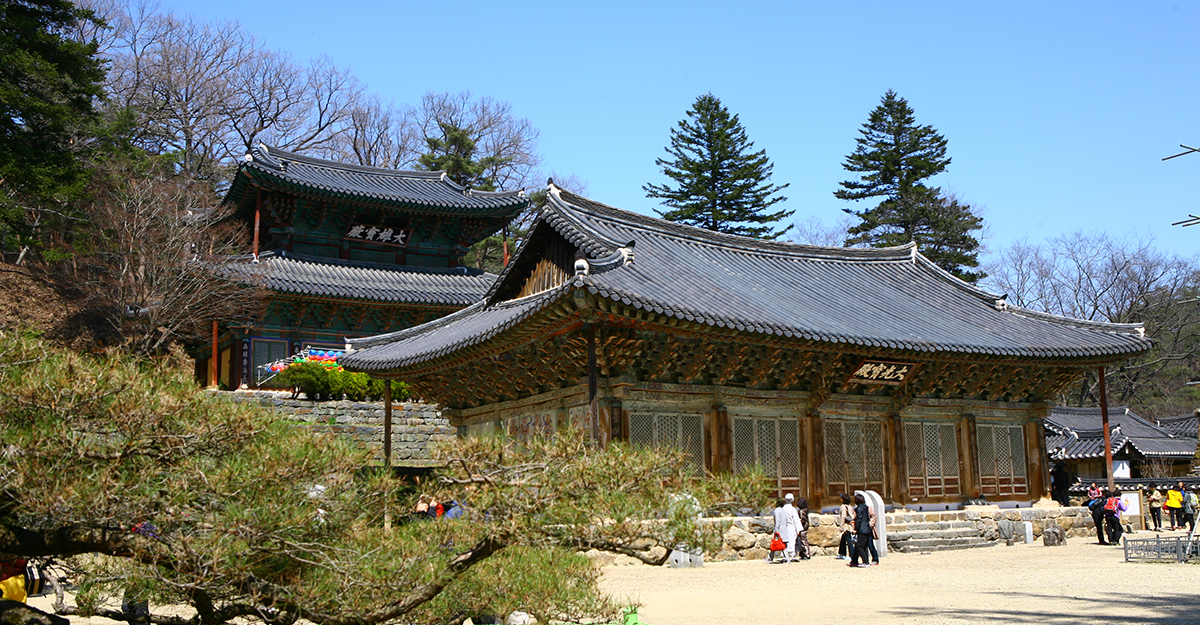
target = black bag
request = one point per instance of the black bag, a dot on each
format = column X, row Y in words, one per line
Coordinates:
column 35, row 579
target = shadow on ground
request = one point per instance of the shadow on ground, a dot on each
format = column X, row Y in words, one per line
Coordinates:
column 1158, row 609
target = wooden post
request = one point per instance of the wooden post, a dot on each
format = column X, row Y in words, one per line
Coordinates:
column 387, row 423
column 506, row 246
column 257, row 213
column 593, row 407
column 212, row 363
column 1107, row 440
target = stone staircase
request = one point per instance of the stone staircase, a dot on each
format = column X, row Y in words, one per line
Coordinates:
column 932, row 531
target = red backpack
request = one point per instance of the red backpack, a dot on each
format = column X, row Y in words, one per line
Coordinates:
column 1111, row 504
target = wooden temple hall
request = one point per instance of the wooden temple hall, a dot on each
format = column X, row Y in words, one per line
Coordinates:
column 347, row 251
column 833, row 369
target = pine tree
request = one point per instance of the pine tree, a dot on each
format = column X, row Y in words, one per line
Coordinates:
column 895, row 157
column 719, row 183
column 454, row 153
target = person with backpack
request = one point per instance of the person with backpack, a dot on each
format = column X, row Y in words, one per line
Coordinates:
column 1096, row 507
column 1175, row 505
column 1190, row 503
column 1113, row 507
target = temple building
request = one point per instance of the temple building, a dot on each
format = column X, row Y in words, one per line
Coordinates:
column 348, row 251
column 832, row 369
column 1140, row 448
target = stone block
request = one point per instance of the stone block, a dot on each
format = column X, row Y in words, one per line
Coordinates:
column 824, row 536
column 738, row 538
column 754, row 553
column 764, row 541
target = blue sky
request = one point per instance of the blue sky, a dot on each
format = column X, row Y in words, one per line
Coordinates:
column 1057, row 113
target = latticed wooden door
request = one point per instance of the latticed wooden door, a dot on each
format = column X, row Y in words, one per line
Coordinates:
column 1001, row 459
column 854, row 458
column 670, row 430
column 931, row 462
column 769, row 442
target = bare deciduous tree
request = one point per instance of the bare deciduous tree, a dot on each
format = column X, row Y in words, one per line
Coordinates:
column 814, row 231
column 1119, row 280
column 506, row 142
column 156, row 259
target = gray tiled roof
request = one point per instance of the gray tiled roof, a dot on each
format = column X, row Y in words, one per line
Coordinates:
column 1078, row 433
column 325, row 277
column 424, row 188
column 887, row 298
column 1183, row 425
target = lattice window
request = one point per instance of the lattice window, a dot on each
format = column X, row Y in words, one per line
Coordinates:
column 932, row 459
column 1001, row 459
column 744, row 455
column 641, row 429
column 789, row 447
column 854, row 456
column 770, row 442
column 681, row 432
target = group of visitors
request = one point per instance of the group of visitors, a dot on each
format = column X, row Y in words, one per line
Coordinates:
column 1179, row 504
column 791, row 528
column 858, row 532
column 1106, row 507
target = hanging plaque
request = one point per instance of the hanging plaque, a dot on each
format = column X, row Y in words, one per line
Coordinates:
column 375, row 234
column 882, row 372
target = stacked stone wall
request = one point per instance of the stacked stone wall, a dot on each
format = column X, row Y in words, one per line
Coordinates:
column 748, row 538
column 416, row 427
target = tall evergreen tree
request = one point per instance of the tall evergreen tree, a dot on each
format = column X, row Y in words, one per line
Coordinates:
column 719, row 183
column 454, row 153
column 48, row 84
column 895, row 157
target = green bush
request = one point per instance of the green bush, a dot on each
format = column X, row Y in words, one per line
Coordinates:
column 321, row 384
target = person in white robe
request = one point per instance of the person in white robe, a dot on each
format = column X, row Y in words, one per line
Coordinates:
column 790, row 527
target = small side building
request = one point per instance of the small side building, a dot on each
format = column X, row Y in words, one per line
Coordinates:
column 832, row 369
column 348, row 251
column 1140, row 448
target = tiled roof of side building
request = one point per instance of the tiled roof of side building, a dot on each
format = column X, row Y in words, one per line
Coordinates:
column 325, row 277
column 1182, row 425
column 370, row 184
column 1078, row 433
column 891, row 298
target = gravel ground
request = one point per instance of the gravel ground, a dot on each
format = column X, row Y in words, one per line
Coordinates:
column 1082, row 582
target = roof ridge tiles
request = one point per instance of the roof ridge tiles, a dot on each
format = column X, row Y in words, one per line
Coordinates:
column 900, row 253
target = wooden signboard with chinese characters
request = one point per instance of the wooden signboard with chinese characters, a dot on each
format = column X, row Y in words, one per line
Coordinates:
column 375, row 234
column 882, row 372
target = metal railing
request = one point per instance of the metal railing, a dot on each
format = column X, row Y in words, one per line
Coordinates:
column 1175, row 548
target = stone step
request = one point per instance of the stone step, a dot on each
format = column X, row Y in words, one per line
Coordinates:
column 940, row 541
column 939, row 526
column 963, row 532
column 979, row 545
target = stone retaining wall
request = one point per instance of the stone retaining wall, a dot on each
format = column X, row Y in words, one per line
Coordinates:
column 415, row 426
column 748, row 538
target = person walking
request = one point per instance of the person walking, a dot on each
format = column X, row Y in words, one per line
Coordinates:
column 1175, row 505
column 785, row 526
column 793, row 527
column 803, row 551
column 1062, row 482
column 1190, row 504
column 1113, row 507
column 780, row 518
column 1154, row 502
column 1096, row 506
column 845, row 523
column 864, row 531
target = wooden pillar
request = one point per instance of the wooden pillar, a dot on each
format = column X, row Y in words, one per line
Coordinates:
column 593, row 401
column 387, row 423
column 722, row 450
column 616, row 422
column 1108, row 462
column 1035, row 460
column 257, row 218
column 901, row 497
column 975, row 488
column 817, row 464
column 215, row 360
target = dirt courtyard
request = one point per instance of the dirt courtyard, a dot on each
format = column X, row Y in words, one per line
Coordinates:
column 1083, row 582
